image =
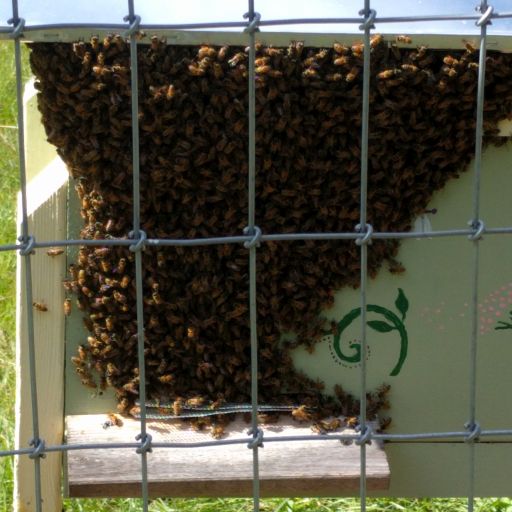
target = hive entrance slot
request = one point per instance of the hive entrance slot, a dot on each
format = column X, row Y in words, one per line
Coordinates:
column 299, row 468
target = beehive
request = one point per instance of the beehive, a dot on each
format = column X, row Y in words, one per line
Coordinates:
column 402, row 294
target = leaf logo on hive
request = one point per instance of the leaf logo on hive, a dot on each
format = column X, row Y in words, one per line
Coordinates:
column 390, row 322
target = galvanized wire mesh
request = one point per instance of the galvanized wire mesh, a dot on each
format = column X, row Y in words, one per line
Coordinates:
column 251, row 238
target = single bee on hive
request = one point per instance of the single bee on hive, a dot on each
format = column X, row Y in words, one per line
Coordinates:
column 55, row 251
column 67, row 307
column 113, row 421
column 40, row 306
column 403, row 39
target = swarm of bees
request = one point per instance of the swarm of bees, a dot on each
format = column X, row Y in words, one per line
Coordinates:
column 193, row 158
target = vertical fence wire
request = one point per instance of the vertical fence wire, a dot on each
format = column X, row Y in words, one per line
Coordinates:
column 138, row 235
column 365, row 235
column 253, row 230
column 472, row 426
column 365, row 228
column 26, row 252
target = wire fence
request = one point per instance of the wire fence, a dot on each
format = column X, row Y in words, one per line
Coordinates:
column 251, row 238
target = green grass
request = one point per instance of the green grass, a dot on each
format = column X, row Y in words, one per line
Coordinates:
column 8, row 189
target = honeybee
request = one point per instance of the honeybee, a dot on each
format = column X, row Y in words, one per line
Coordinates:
column 327, row 425
column 273, row 52
column 124, row 405
column 218, row 72
column 113, row 420
column 295, row 49
column 301, row 413
column 77, row 361
column 262, row 70
column 384, row 423
column 218, row 431
column 237, row 59
column 333, row 77
column 67, row 307
column 409, row 67
column 395, row 267
column 341, row 61
column 196, row 401
column 387, row 74
column 81, row 277
column 450, row 61
column 451, row 72
column 352, row 74
column 119, row 297
column 54, row 251
column 341, row 49
column 105, row 266
column 375, row 40
column 109, row 323
column 95, row 43
column 357, row 49
column 177, row 406
column 222, row 53
column 206, row 51
column 121, row 266
column 352, row 421
column 469, row 47
column 40, row 306
column 310, row 73
column 403, row 39
column 195, row 70
column 442, row 85
column 89, row 382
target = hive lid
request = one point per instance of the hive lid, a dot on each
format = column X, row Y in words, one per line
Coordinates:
column 155, row 13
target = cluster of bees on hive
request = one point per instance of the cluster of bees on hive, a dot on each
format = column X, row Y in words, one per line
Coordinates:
column 193, row 123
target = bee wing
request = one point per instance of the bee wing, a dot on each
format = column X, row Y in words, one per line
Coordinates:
column 422, row 224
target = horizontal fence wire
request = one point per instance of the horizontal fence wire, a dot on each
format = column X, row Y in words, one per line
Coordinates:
column 273, row 237
column 461, row 436
column 262, row 23
column 252, row 237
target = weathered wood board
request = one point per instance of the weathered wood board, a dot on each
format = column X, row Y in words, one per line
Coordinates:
column 299, row 468
column 47, row 206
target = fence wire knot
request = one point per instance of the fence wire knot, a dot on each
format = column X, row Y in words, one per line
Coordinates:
column 485, row 19
column 19, row 25
column 145, row 447
column 479, row 227
column 257, row 439
column 139, row 246
column 38, row 450
column 253, row 23
column 368, row 232
column 256, row 237
column 474, row 430
column 366, row 436
column 369, row 19
column 27, row 245
column 134, row 25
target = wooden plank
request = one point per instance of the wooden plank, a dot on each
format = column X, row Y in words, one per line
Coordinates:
column 47, row 221
column 298, row 468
